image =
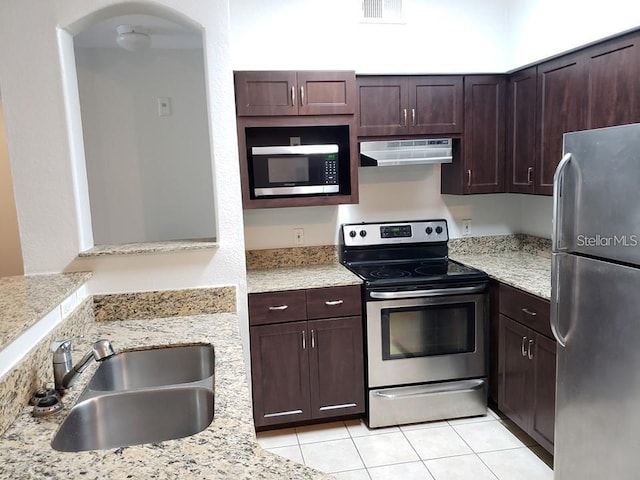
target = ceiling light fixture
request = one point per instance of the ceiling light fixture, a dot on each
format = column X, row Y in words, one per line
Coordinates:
column 132, row 38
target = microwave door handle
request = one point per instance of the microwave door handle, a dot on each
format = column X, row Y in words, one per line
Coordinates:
column 426, row 293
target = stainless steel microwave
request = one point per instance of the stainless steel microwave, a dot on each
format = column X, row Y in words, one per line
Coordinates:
column 295, row 170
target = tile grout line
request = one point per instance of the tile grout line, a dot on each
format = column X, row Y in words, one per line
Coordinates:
column 476, row 453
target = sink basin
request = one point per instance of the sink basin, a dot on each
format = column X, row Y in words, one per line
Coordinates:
column 142, row 396
column 154, row 367
column 131, row 418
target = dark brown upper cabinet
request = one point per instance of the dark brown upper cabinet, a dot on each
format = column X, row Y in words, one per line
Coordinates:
column 409, row 105
column 562, row 97
column 522, row 107
column 613, row 70
column 277, row 93
column 481, row 169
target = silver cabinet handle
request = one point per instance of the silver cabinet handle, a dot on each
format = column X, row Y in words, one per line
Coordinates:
column 301, row 95
column 529, row 312
column 558, row 180
column 279, row 308
column 313, row 338
column 413, row 117
column 405, row 116
column 304, row 339
column 469, row 177
column 293, row 96
column 529, row 352
column 530, row 175
column 333, row 303
column 524, row 353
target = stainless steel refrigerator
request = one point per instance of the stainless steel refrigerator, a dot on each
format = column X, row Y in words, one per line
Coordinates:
column 595, row 305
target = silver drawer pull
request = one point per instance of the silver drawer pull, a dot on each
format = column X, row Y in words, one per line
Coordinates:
column 335, row 407
column 333, row 303
column 529, row 312
column 279, row 307
column 281, row 414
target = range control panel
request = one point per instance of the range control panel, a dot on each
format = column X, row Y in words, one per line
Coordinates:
column 369, row 234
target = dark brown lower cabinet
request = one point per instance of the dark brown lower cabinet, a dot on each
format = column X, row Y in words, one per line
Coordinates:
column 307, row 370
column 527, row 376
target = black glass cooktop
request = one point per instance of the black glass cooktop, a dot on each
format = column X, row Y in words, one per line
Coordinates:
column 416, row 272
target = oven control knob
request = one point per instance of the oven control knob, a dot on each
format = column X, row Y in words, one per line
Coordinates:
column 438, row 230
column 363, row 233
column 429, row 230
column 352, row 233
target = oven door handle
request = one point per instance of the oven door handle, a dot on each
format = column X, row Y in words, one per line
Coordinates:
column 459, row 386
column 426, row 293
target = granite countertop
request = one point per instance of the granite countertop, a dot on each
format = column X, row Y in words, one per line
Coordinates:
column 226, row 449
column 529, row 272
column 25, row 300
column 300, row 277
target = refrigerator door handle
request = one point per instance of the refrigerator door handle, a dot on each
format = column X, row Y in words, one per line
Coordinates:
column 558, row 179
column 555, row 301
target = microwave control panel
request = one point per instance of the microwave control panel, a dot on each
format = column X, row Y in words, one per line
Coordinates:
column 331, row 171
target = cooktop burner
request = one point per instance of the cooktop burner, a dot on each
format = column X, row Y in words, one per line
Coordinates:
column 403, row 254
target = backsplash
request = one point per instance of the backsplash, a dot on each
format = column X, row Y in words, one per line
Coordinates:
column 165, row 303
column 291, row 257
column 501, row 243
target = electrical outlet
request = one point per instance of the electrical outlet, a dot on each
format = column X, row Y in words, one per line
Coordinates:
column 68, row 305
column 298, row 236
column 466, row 227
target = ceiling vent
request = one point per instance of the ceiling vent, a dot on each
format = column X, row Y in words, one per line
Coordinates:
column 382, row 11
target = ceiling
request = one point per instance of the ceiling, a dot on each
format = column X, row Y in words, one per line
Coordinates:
column 164, row 33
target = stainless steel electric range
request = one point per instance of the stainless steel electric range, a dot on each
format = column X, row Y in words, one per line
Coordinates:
column 425, row 322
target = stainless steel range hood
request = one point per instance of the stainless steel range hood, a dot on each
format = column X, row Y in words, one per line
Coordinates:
column 406, row 152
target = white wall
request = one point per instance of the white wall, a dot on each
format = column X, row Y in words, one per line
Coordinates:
column 386, row 193
column 439, row 36
column 42, row 116
column 149, row 176
column 10, row 252
column 541, row 28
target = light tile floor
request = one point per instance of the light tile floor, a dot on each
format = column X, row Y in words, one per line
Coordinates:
column 478, row 448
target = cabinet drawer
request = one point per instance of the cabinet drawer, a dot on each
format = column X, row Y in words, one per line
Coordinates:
column 526, row 308
column 334, row 302
column 277, row 307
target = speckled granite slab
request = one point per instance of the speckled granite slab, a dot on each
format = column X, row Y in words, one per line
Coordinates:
column 227, row 449
column 149, row 247
column 24, row 300
column 501, row 243
column 291, row 257
column 298, row 278
column 35, row 370
column 165, row 303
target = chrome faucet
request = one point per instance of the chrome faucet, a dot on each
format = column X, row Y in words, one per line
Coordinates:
column 64, row 372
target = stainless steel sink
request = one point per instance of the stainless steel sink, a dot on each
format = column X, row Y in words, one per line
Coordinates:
column 142, row 396
column 131, row 418
column 154, row 367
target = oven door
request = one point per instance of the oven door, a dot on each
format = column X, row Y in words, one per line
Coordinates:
column 418, row 340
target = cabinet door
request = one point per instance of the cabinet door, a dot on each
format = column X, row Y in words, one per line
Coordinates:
column 561, row 96
column 483, row 150
column 266, row 93
column 514, row 366
column 544, row 387
column 280, row 373
column 326, row 93
column 521, row 131
column 336, row 367
column 383, row 104
column 435, row 105
column 614, row 91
